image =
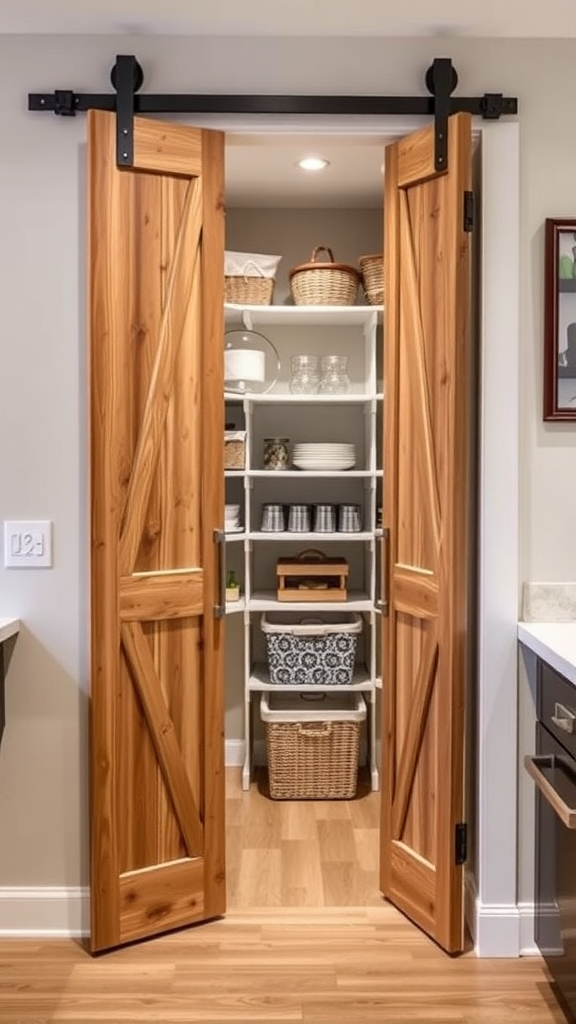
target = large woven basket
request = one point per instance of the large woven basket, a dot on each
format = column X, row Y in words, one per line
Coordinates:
column 372, row 268
column 312, row 761
column 324, row 283
column 249, row 291
column 312, row 755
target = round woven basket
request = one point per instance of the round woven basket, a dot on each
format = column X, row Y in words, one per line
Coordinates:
column 372, row 268
column 320, row 283
column 249, row 291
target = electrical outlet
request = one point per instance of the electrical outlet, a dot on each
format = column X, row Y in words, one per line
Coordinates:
column 28, row 544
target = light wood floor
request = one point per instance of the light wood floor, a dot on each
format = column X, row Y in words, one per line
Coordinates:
column 362, row 964
column 300, row 853
column 315, row 965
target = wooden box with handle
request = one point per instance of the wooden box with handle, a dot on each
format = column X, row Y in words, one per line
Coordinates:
column 312, row 576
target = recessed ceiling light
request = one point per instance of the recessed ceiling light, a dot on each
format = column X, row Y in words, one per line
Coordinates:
column 313, row 163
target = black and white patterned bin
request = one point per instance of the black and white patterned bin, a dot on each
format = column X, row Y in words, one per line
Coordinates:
column 311, row 651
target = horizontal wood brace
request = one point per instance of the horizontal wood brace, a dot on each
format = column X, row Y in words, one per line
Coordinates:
column 161, row 595
column 415, row 593
column 161, row 897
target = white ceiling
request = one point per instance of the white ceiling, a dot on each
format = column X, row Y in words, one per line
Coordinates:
column 262, row 171
column 499, row 18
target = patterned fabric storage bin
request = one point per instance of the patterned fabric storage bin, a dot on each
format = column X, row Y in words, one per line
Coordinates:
column 312, row 744
column 312, row 651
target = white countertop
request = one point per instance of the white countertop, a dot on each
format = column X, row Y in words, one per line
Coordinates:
column 8, row 628
column 554, row 642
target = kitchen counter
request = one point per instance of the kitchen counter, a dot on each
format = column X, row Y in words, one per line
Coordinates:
column 8, row 628
column 554, row 642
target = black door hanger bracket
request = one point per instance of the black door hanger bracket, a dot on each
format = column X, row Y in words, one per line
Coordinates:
column 127, row 78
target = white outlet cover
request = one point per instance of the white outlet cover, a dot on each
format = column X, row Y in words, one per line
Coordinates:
column 27, row 544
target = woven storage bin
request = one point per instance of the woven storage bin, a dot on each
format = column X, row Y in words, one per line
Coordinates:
column 249, row 277
column 312, row 747
column 312, row 651
column 249, row 291
column 372, row 268
column 324, row 283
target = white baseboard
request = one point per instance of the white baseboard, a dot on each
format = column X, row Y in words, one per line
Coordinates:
column 47, row 911
column 497, row 929
column 504, row 930
column 59, row 912
column 528, row 946
column 234, row 753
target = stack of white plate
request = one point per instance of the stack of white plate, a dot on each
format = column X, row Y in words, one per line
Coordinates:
column 324, row 456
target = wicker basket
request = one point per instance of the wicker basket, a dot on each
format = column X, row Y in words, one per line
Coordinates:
column 372, row 268
column 249, row 291
column 234, row 449
column 312, row 748
column 324, row 283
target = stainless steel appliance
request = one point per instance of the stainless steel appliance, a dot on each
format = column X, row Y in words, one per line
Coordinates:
column 554, row 772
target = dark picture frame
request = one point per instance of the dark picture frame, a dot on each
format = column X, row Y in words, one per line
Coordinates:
column 560, row 319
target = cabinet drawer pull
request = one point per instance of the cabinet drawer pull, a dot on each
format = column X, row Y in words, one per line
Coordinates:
column 563, row 718
column 536, row 768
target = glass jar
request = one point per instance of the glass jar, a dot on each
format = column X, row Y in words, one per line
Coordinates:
column 276, row 453
column 334, row 379
column 305, row 376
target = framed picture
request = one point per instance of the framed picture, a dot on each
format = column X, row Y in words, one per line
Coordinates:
column 560, row 320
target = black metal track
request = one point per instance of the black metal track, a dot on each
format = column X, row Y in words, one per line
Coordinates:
column 491, row 105
column 127, row 77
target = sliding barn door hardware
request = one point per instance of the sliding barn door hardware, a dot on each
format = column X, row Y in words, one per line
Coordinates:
column 127, row 78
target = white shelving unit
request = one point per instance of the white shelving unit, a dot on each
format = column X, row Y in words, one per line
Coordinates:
column 353, row 417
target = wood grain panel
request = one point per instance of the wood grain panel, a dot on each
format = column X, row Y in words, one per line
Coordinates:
column 417, row 340
column 427, row 433
column 156, row 378
column 174, row 506
column 178, row 295
column 416, row 159
column 167, row 898
column 412, row 739
column 212, row 497
column 166, row 148
column 163, row 595
column 413, row 884
column 162, row 733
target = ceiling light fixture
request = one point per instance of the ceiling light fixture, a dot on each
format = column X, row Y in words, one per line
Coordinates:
column 313, row 163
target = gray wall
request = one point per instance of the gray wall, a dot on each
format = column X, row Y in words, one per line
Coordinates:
column 43, row 452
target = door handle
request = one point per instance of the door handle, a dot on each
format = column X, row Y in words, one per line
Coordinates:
column 382, row 601
column 563, row 718
column 536, row 768
column 220, row 608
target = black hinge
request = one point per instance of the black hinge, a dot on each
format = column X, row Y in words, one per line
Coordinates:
column 461, row 843
column 468, row 211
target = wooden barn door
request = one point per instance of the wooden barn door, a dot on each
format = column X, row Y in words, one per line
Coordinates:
column 156, row 240
column 427, row 469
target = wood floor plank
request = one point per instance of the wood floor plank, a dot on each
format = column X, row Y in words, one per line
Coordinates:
column 311, row 964
column 301, row 875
